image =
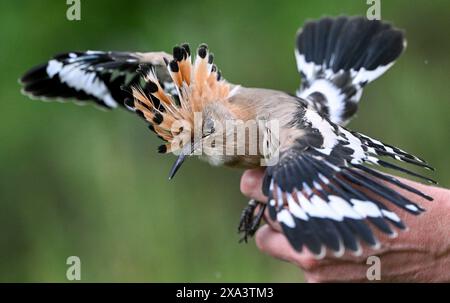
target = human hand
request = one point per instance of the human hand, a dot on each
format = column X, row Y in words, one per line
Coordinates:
column 420, row 254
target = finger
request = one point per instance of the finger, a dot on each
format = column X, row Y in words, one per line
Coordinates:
column 251, row 184
column 273, row 243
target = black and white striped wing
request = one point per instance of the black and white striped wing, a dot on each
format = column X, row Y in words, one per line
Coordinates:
column 338, row 57
column 93, row 75
column 315, row 189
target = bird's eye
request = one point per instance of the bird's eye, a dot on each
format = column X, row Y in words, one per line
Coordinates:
column 208, row 127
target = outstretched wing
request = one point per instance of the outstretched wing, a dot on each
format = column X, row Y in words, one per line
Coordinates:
column 315, row 190
column 93, row 75
column 337, row 57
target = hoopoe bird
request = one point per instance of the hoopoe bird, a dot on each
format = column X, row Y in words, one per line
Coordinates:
column 321, row 178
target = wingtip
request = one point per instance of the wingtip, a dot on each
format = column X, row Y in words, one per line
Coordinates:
column 431, row 181
column 322, row 253
column 358, row 252
column 427, row 197
column 429, row 167
column 340, row 252
column 20, row 81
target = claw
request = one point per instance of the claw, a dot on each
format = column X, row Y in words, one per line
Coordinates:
column 249, row 222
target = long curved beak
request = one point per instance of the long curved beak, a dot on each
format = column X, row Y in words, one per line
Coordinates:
column 185, row 151
column 177, row 165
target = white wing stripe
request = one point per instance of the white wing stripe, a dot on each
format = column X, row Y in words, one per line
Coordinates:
column 76, row 78
column 366, row 208
column 295, row 209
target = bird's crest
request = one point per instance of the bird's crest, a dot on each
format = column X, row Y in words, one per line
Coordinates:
column 171, row 116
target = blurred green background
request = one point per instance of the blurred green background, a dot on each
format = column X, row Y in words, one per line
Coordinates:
column 79, row 181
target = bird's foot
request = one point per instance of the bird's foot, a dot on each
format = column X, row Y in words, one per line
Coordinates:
column 250, row 221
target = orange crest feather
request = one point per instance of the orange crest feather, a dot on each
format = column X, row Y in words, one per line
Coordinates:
column 196, row 86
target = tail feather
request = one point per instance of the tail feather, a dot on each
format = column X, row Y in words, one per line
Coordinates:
column 338, row 57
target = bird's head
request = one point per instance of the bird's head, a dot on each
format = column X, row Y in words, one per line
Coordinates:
column 192, row 118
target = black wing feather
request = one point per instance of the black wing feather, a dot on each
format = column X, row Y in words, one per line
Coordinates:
column 93, row 75
column 325, row 196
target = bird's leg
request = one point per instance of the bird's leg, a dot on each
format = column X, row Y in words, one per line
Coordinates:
column 246, row 219
column 249, row 220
